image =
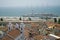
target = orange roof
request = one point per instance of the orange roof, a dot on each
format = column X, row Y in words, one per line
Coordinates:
column 26, row 33
column 34, row 24
column 7, row 38
column 58, row 25
column 38, row 37
column 14, row 33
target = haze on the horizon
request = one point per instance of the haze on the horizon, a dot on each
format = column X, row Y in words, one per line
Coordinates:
column 22, row 7
column 29, row 3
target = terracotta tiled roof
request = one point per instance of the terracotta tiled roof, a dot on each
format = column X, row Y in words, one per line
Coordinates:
column 41, row 37
column 58, row 25
column 14, row 33
column 26, row 33
column 38, row 37
column 7, row 38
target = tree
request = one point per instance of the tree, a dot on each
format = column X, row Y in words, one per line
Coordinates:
column 55, row 20
column 29, row 19
column 1, row 19
column 46, row 18
column 20, row 18
column 59, row 21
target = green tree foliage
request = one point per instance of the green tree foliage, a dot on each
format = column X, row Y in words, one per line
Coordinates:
column 55, row 20
column 1, row 19
column 29, row 19
column 20, row 18
column 59, row 21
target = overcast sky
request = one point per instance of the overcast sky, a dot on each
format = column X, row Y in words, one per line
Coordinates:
column 29, row 3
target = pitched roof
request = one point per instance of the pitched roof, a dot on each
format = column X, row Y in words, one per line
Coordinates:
column 38, row 37
column 14, row 33
column 7, row 38
column 26, row 33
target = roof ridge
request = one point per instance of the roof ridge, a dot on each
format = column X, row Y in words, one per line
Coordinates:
column 10, row 36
